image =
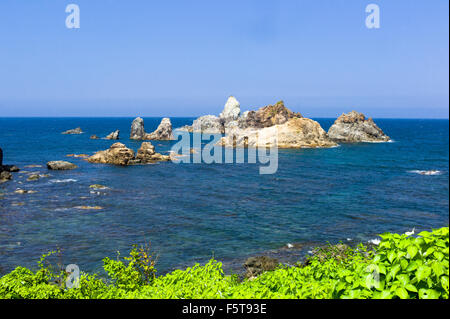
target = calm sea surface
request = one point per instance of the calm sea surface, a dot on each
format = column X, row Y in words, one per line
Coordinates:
column 193, row 212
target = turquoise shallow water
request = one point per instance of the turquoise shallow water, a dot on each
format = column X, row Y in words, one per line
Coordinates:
column 192, row 212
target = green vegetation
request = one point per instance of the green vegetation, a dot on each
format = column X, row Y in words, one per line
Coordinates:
column 401, row 266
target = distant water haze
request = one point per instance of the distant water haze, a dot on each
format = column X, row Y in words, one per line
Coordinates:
column 312, row 107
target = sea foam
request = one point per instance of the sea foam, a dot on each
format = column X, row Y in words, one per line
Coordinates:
column 68, row 180
column 422, row 172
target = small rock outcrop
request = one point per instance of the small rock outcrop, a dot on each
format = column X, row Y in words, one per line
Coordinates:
column 216, row 124
column 94, row 137
column 146, row 154
column 353, row 127
column 295, row 133
column 163, row 132
column 137, row 129
column 5, row 176
column 119, row 154
column 256, row 266
column 231, row 118
column 113, row 136
column 268, row 116
column 231, row 111
column 6, row 170
column 60, row 165
column 73, row 131
column 208, row 124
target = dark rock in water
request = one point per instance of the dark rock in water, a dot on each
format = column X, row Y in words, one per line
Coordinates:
column 60, row 165
column 255, row 266
column 353, row 127
column 73, row 131
column 6, row 170
column 94, row 137
column 113, row 136
column 9, row 168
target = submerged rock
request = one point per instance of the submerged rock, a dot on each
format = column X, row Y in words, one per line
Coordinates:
column 60, row 165
column 5, row 176
column 89, row 207
column 163, row 132
column 98, row 186
column 113, row 136
column 24, row 191
column 33, row 177
column 353, row 127
column 295, row 133
column 73, row 131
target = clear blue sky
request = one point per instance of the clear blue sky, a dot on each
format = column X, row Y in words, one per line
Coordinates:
column 184, row 58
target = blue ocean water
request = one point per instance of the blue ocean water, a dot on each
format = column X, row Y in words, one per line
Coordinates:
column 193, row 212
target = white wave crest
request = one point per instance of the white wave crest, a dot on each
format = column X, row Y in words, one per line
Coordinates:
column 68, row 180
column 422, row 172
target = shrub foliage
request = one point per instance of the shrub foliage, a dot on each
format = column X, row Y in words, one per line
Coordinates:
column 401, row 266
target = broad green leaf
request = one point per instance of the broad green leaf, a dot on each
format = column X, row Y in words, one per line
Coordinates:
column 423, row 272
column 404, row 279
column 402, row 293
column 410, row 288
column 438, row 270
column 391, row 256
column 438, row 255
column 412, row 251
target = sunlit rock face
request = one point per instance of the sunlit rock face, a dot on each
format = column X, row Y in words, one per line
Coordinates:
column 353, row 127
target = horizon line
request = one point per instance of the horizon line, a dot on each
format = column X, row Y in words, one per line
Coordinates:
column 194, row 117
